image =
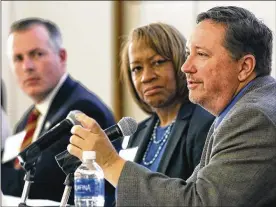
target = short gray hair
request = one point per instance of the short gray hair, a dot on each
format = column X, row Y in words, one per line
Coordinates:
column 51, row 27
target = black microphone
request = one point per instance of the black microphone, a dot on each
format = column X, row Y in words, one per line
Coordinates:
column 125, row 127
column 29, row 155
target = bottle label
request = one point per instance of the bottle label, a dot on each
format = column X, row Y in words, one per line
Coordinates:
column 89, row 187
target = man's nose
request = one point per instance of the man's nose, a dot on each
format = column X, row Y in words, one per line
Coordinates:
column 27, row 64
column 188, row 66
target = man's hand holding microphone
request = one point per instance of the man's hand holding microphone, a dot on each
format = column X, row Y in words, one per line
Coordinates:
column 90, row 137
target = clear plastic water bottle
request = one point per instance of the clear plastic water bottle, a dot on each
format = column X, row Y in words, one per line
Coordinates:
column 89, row 182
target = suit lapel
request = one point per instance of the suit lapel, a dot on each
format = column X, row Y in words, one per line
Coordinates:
column 182, row 122
column 57, row 110
column 145, row 133
column 23, row 121
column 206, row 152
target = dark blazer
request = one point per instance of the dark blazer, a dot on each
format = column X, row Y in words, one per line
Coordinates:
column 185, row 143
column 49, row 178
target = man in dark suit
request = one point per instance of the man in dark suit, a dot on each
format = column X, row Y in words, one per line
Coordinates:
column 39, row 63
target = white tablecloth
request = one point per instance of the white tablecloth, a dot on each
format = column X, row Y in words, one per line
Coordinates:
column 14, row 201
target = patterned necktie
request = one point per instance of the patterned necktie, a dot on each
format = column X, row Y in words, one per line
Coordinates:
column 30, row 129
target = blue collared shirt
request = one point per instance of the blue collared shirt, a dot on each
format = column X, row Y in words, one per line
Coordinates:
column 221, row 116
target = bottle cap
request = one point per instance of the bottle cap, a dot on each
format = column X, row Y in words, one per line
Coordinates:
column 88, row 155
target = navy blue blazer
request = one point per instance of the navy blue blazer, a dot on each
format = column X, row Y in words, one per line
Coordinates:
column 49, row 178
column 185, row 143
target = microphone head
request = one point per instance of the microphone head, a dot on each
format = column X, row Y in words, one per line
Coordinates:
column 127, row 125
column 71, row 117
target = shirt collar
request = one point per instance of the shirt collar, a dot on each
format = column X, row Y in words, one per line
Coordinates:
column 219, row 119
column 43, row 106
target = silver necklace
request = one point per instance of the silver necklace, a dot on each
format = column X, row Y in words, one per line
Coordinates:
column 153, row 139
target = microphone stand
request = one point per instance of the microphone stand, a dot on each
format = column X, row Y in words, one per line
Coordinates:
column 69, row 180
column 68, row 163
column 29, row 179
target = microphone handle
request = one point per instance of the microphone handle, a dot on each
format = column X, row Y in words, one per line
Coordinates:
column 32, row 152
column 52, row 134
column 113, row 132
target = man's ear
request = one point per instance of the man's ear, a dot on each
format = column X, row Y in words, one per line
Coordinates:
column 247, row 67
column 63, row 55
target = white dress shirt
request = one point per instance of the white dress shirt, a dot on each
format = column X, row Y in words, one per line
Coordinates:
column 44, row 106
